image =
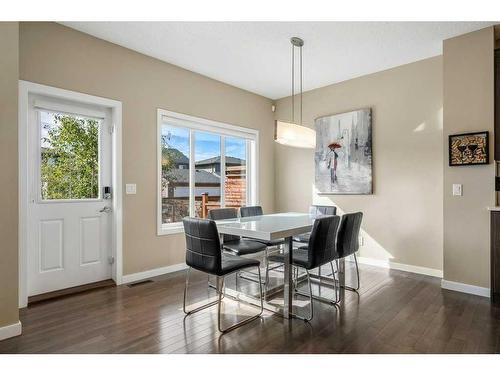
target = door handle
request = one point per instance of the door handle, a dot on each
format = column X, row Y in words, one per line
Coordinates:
column 105, row 209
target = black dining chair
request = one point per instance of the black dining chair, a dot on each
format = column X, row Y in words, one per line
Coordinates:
column 235, row 244
column 348, row 240
column 316, row 211
column 319, row 251
column 347, row 244
column 251, row 211
column 204, row 253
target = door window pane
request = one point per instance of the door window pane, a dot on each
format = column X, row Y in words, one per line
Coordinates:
column 174, row 173
column 207, row 188
column 69, row 156
column 235, row 187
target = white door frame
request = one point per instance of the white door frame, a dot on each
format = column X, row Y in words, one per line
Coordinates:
column 25, row 89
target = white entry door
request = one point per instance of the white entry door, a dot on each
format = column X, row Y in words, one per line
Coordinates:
column 69, row 219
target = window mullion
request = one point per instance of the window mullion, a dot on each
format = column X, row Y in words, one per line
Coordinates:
column 222, row 171
column 248, row 174
column 192, row 171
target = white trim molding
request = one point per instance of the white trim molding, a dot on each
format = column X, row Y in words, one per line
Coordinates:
column 10, row 331
column 465, row 288
column 25, row 90
column 133, row 277
column 401, row 267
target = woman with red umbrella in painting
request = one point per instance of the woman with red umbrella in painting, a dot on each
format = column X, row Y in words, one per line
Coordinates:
column 332, row 157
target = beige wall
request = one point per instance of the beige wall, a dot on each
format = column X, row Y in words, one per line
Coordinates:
column 403, row 219
column 58, row 56
column 468, row 97
column 9, row 73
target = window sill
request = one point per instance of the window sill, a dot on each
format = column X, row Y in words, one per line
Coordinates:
column 170, row 229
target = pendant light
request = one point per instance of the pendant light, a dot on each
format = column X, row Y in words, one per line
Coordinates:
column 291, row 133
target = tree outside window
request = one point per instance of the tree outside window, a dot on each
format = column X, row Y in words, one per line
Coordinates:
column 69, row 157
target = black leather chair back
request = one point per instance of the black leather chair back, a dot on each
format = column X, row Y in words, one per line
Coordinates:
column 323, row 210
column 251, row 211
column 321, row 248
column 203, row 250
column 348, row 238
column 221, row 214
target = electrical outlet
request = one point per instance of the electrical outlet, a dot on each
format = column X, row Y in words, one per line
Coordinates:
column 361, row 240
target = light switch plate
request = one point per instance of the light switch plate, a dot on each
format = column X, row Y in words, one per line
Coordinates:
column 130, row 188
column 457, row 189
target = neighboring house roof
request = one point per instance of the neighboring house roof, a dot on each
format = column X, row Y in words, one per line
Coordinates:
column 175, row 155
column 216, row 160
column 201, row 177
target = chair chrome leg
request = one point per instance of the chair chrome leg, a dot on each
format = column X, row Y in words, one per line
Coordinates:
column 357, row 271
column 319, row 274
column 247, row 320
column 311, row 310
column 357, row 277
column 266, row 262
column 319, row 297
column 186, row 286
column 310, row 295
column 335, row 284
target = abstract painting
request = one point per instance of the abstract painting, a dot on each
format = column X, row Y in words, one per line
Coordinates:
column 343, row 157
column 468, row 149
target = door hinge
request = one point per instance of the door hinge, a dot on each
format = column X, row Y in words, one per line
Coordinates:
column 111, row 260
column 111, row 129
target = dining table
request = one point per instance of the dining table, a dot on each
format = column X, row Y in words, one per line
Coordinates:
column 270, row 227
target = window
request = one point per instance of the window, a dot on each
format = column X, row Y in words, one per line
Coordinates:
column 68, row 153
column 202, row 165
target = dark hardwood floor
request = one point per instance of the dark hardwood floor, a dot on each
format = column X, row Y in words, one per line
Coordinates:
column 394, row 312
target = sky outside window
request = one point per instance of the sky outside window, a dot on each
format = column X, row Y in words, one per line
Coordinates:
column 208, row 144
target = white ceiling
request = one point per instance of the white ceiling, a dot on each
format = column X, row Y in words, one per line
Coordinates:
column 255, row 56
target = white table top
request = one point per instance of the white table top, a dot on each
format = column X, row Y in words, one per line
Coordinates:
column 268, row 227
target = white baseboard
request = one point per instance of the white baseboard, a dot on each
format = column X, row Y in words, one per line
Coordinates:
column 133, row 277
column 465, row 288
column 401, row 267
column 10, row 331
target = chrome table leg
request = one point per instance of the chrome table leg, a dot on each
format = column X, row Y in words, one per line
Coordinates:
column 288, row 278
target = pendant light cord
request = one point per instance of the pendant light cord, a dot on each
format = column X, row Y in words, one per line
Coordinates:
column 300, row 85
column 293, row 81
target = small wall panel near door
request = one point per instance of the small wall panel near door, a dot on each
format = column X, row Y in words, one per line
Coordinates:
column 51, row 245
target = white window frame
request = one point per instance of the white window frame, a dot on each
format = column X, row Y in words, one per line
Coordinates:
column 223, row 130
